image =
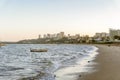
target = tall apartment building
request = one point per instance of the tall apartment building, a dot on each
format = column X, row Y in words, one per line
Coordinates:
column 39, row 36
column 60, row 35
column 114, row 32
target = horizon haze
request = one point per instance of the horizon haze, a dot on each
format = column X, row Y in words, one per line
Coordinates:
column 26, row 19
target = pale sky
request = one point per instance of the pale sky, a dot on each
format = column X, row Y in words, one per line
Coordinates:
column 26, row 19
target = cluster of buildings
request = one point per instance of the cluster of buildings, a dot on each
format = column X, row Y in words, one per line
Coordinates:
column 53, row 36
column 59, row 36
column 103, row 37
column 113, row 35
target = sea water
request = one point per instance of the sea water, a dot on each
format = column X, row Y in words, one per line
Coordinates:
column 17, row 62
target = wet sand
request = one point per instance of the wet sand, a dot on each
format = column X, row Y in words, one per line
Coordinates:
column 108, row 67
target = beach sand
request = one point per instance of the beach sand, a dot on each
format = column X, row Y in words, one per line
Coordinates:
column 108, row 67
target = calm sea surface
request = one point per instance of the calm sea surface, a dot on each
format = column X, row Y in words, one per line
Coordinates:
column 17, row 62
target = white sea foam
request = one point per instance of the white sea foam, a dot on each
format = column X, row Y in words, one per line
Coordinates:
column 73, row 71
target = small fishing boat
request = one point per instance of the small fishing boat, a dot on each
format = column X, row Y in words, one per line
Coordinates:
column 38, row 50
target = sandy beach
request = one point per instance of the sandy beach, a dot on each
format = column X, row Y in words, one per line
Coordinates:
column 108, row 67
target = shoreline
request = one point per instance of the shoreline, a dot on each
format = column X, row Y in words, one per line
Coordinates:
column 108, row 64
column 82, row 65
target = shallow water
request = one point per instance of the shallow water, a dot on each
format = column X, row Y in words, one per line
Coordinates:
column 17, row 62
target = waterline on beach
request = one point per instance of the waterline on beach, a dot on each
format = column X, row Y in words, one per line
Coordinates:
column 72, row 72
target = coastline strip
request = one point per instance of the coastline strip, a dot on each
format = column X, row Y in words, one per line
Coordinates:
column 108, row 67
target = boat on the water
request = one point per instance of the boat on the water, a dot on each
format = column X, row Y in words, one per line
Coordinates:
column 38, row 50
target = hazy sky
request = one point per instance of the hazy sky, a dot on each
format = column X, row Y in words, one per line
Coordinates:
column 25, row 19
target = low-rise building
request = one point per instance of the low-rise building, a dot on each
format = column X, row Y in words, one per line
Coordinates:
column 103, row 36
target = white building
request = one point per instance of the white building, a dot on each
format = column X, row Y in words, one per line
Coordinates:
column 73, row 36
column 60, row 35
column 55, row 36
column 114, row 32
column 101, row 36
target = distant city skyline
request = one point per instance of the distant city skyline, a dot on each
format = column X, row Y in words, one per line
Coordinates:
column 26, row 19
